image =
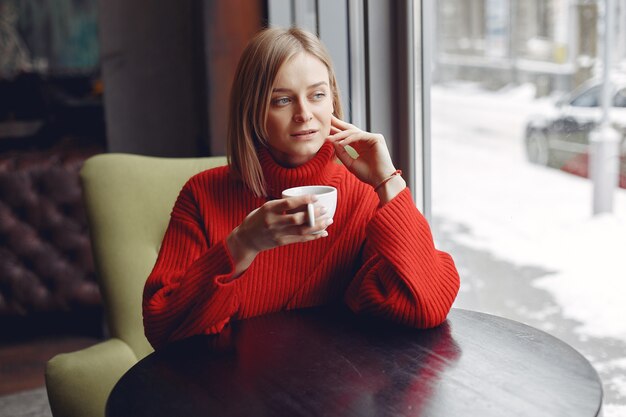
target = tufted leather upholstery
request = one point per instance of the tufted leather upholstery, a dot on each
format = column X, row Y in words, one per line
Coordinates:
column 45, row 253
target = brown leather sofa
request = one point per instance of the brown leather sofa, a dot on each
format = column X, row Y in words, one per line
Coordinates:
column 45, row 254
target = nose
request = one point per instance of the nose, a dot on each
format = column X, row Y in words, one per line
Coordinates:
column 302, row 112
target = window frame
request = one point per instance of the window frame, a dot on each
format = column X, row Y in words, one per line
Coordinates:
column 380, row 54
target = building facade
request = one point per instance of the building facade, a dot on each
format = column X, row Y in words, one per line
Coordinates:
column 550, row 43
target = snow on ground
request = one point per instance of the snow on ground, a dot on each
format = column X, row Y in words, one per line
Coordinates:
column 591, row 282
column 531, row 215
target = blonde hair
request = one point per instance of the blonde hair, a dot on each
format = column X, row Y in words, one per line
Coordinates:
column 251, row 95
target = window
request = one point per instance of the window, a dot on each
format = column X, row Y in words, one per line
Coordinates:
column 620, row 98
column 511, row 199
column 483, row 81
column 588, row 98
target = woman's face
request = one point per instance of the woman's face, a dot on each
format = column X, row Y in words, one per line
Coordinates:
column 299, row 115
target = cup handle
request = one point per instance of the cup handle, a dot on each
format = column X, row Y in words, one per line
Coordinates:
column 310, row 211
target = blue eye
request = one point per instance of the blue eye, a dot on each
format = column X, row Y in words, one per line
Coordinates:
column 282, row 101
column 319, row 96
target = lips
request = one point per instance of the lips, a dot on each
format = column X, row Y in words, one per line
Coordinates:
column 304, row 133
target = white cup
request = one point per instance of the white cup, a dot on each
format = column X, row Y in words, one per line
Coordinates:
column 326, row 197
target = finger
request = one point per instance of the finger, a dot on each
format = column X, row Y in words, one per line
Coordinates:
column 348, row 136
column 343, row 134
column 288, row 240
column 321, row 223
column 337, row 122
column 363, row 139
column 343, row 155
column 303, row 230
column 291, row 203
column 334, row 130
column 299, row 217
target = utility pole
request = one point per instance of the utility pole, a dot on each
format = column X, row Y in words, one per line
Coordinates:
column 604, row 161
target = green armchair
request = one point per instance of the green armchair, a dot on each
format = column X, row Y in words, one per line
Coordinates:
column 128, row 199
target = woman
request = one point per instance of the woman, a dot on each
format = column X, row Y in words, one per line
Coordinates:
column 235, row 249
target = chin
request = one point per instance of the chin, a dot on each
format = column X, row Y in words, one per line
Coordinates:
column 298, row 153
column 301, row 157
column 312, row 149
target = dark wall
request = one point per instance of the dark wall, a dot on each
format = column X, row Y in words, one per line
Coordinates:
column 167, row 68
column 229, row 25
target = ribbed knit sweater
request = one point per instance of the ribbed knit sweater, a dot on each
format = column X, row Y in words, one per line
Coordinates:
column 379, row 260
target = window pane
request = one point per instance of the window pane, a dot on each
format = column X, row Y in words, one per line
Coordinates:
column 513, row 107
column 620, row 98
column 588, row 97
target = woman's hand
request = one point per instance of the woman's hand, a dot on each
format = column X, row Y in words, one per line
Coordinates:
column 373, row 164
column 275, row 223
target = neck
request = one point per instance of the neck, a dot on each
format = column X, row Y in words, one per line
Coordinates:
column 317, row 171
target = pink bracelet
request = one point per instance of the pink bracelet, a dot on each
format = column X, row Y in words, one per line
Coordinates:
column 383, row 182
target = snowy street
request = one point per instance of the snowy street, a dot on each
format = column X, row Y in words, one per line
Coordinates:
column 523, row 236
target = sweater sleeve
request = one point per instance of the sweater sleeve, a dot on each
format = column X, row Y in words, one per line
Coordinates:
column 189, row 290
column 403, row 277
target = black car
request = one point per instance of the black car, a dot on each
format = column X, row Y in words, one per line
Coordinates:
column 560, row 137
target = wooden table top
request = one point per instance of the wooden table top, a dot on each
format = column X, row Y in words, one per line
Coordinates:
column 329, row 362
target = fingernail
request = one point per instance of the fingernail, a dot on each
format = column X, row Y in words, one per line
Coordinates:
column 329, row 222
column 324, row 233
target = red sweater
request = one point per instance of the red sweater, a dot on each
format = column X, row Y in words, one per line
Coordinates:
column 379, row 260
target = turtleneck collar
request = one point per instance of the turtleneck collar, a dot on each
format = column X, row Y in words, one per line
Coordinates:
column 318, row 171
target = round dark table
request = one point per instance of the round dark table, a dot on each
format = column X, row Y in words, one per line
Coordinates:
column 329, row 362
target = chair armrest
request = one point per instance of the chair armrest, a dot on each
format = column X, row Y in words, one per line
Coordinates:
column 79, row 383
